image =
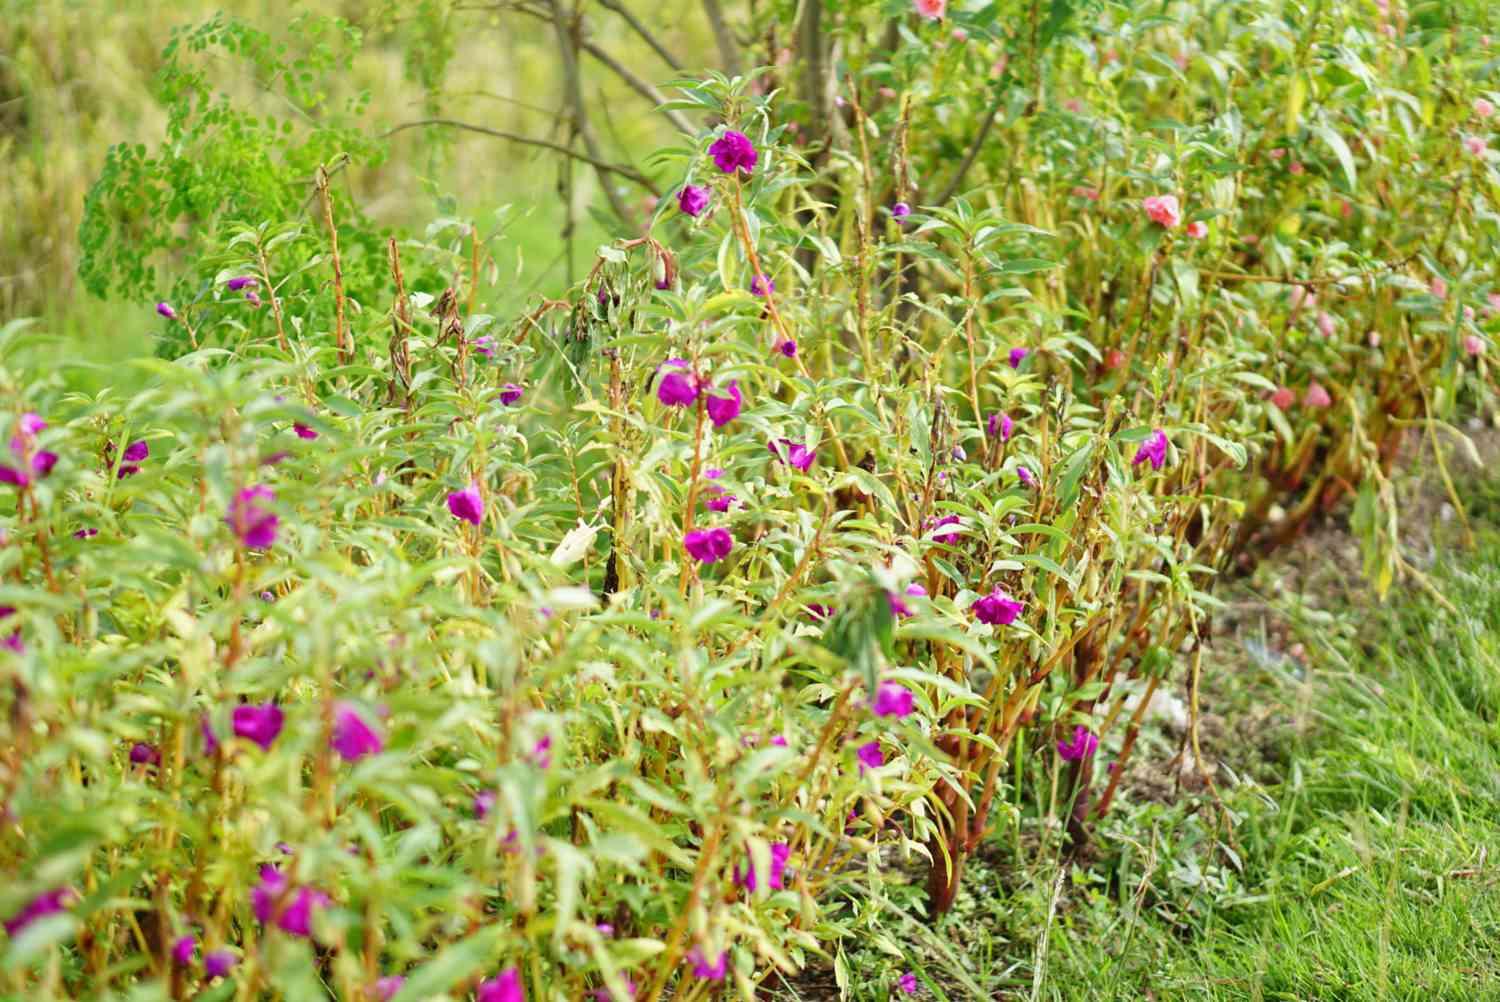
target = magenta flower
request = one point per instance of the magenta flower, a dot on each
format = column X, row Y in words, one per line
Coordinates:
column 1163, row 210
column 708, row 545
column 762, row 286
column 303, row 431
column 165, row 309
column 1154, row 449
column 1024, row 475
column 693, row 199
column 352, row 737
column 182, row 950
column 820, row 612
column 703, row 969
column 14, row 477
column 210, row 739
column 892, row 700
column 31, row 424
column 47, row 903
column 541, row 752
column 997, row 608
column 484, row 802
column 43, row 462
column 1284, row 398
column 898, row 603
column 900, row 211
column 242, row 282
column 218, row 963
column 506, row 987
column 85, row 533
column 387, row 987
column 1080, row 747
column 260, row 724
column 907, row 983
column 718, row 500
column 467, row 504
column 1017, row 356
column 137, row 451
column 676, row 388
column 510, row 394
column 292, row 910
column 722, row 410
column 732, row 152
column 746, row 878
column 144, row 754
column 787, row 346
column 947, row 538
column 792, row 453
column 250, row 519
column 483, row 345
column 870, row 756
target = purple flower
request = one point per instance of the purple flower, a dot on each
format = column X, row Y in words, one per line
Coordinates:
column 907, row 983
column 733, row 151
column 13, row 643
column 718, row 500
column 820, row 612
column 900, row 211
column 899, row 606
column 787, row 347
column 218, row 963
column 1153, row 449
column 746, row 878
column 1024, row 475
column 47, row 903
column 251, row 521
column 1017, row 355
column 506, row 987
column 273, row 458
column 760, row 285
column 144, row 754
column 182, row 950
column 137, row 451
column 303, row 431
column 999, row 424
column 484, row 802
column 693, row 199
column 870, row 756
column 677, row 389
column 467, row 504
column 352, row 737
column 722, row 410
column 947, row 538
column 997, row 608
column 30, row 424
column 708, row 545
column 703, row 969
column 260, row 724
column 269, row 900
column 1081, row 747
column 541, row 752
column 252, row 299
column 387, row 987
column 510, row 394
column 85, row 533
column 210, row 739
column 165, row 309
column 792, row 453
column 242, row 282
column 892, row 700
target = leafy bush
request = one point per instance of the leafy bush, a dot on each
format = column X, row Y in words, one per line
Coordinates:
column 630, row 641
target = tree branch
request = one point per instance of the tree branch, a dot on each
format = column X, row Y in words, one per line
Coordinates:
column 629, row 173
column 728, row 51
column 640, row 86
column 973, row 153
column 567, row 42
column 640, row 29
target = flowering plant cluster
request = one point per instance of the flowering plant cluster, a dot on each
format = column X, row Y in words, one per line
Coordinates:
column 594, row 655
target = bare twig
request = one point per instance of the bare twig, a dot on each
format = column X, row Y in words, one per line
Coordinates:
column 973, row 153
column 640, row 86
column 604, row 166
column 567, row 48
column 641, row 29
column 729, row 52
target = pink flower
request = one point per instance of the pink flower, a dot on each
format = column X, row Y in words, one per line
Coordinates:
column 907, row 983
column 1278, row 152
column 1493, row 301
column 239, row 284
column 144, row 754
column 733, row 152
column 692, row 199
column 997, row 608
column 467, row 504
column 352, row 738
column 217, row 963
column 260, row 724
column 708, row 545
column 510, row 394
column 251, row 521
column 1017, row 356
column 762, row 286
column 932, row 10
column 1483, row 108
column 677, row 388
column 484, row 802
column 303, row 431
column 1074, row 105
column 1154, row 449
column 1283, row 398
column 483, row 345
column 48, row 903
column 269, row 901
column 703, row 969
column 1085, row 192
column 870, row 756
column 1163, row 210
column 746, row 878
column 898, row 604
column 1473, row 345
column 137, row 451
column 947, row 538
column 165, row 310
column 1197, row 229
column 387, row 987
column 506, row 987
column 1325, row 325
column 541, row 752
column 792, row 453
column 1303, row 297
column 892, row 700
column 1296, row 167
column 1438, row 287
column 182, row 950
column 1475, row 145
column 722, row 410
column 1316, row 396
column 1080, row 747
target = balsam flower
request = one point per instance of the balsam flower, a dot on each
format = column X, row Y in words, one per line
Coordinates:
column 747, row 879
column 724, row 409
column 703, row 969
column 793, row 454
column 1163, row 210
column 708, row 546
column 510, row 394
column 898, row 603
column 274, row 900
column 250, row 519
column 1083, row 744
column 692, row 199
column 787, row 346
column 260, row 724
column 387, row 987
column 48, row 903
column 240, row 283
column 218, row 963
column 1197, row 229
column 869, row 756
column 900, row 211
column 947, row 538
column 733, row 152
column 504, row 987
column 892, row 700
column 932, row 10
column 1153, row 449
column 1473, row 345
column 144, row 754
column 1475, row 145
column 303, row 431
column 165, row 310
column 1483, row 108
column 182, row 950
column 677, row 388
column 907, row 983
column 1025, row 476
column 1017, row 356
column 1316, row 395
column 467, row 504
column 997, row 608
column 352, row 738
column 762, row 286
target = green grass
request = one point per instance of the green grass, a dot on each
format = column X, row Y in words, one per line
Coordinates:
column 1364, row 862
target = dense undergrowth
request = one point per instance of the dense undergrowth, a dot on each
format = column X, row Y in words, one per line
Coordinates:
column 621, row 647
